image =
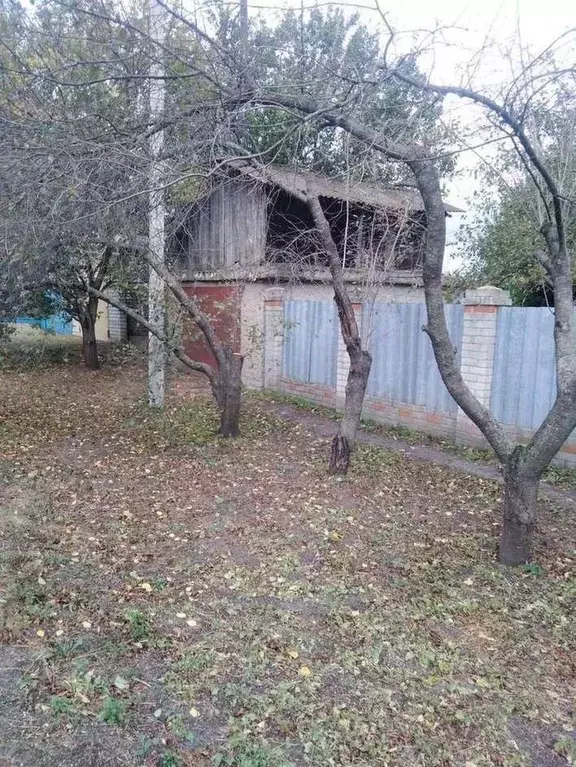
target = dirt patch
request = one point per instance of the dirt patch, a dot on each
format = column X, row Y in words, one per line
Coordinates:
column 547, row 746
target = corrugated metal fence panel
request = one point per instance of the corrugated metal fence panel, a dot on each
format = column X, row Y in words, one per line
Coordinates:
column 524, row 376
column 403, row 366
column 310, row 342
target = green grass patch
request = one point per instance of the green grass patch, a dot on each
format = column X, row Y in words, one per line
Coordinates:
column 113, row 711
column 29, row 347
column 138, row 625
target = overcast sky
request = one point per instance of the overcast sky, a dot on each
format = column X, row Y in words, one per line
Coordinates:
column 497, row 26
column 501, row 25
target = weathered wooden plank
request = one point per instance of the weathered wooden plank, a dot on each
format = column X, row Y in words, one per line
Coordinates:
column 229, row 228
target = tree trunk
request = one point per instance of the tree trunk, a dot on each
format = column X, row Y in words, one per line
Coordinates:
column 519, row 518
column 229, row 394
column 360, row 359
column 89, row 344
column 343, row 442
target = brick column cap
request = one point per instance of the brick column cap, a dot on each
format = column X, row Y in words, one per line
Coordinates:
column 274, row 294
column 487, row 295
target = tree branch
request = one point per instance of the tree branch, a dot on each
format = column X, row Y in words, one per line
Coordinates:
column 428, row 183
column 348, row 324
column 172, row 347
column 508, row 118
column 191, row 306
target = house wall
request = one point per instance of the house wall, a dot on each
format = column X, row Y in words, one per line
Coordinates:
column 117, row 325
column 400, row 294
column 252, row 333
column 102, row 323
column 221, row 302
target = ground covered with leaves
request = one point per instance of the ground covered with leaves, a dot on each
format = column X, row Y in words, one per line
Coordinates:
column 170, row 598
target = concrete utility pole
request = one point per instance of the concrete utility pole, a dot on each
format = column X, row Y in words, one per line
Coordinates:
column 156, row 210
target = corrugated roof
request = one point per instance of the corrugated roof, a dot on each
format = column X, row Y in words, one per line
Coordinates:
column 298, row 182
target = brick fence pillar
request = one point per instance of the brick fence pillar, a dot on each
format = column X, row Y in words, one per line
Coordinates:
column 343, row 360
column 273, row 337
column 478, row 345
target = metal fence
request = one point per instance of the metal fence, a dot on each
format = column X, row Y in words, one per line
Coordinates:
column 404, row 369
column 310, row 342
column 524, row 374
column 403, row 364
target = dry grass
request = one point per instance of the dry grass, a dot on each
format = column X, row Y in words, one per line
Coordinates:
column 169, row 598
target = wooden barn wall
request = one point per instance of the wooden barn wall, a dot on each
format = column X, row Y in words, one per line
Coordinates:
column 229, row 227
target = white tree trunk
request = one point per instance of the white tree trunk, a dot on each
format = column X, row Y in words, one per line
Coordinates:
column 156, row 215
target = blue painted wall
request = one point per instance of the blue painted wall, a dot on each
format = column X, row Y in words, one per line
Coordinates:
column 60, row 324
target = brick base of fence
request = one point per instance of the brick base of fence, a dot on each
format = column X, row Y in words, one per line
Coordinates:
column 441, row 425
column 321, row 395
column 411, row 417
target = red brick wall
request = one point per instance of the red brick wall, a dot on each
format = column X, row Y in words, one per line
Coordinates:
column 322, row 395
column 411, row 416
column 221, row 302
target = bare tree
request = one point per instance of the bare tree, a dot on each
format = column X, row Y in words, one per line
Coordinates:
column 86, row 170
column 225, row 377
column 522, row 465
column 360, row 358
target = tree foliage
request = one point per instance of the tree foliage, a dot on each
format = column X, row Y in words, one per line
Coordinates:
column 500, row 247
column 503, row 244
column 331, row 55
